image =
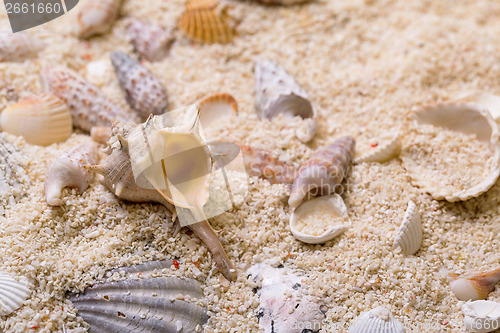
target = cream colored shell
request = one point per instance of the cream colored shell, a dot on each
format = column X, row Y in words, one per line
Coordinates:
column 467, row 118
column 481, row 316
column 409, row 237
column 378, row 320
column 13, row 293
column 41, row 119
column 382, row 153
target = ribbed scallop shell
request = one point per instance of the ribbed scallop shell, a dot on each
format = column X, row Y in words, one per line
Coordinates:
column 13, row 293
column 201, row 22
column 96, row 17
column 481, row 316
column 41, row 119
column 381, row 153
column 378, row 320
column 409, row 236
column 468, row 118
column 152, row 304
column 152, row 42
column 19, row 46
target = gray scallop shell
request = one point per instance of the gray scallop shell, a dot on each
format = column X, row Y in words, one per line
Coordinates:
column 378, row 320
column 13, row 177
column 151, row 304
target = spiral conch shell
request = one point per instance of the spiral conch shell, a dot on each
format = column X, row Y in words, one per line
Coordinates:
column 96, row 17
column 41, row 119
column 475, row 286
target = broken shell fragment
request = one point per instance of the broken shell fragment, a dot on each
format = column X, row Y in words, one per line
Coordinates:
column 19, row 46
column 475, row 286
column 465, row 118
column 13, row 293
column 381, row 153
column 277, row 92
column 409, row 236
column 152, row 42
column 96, row 17
column 261, row 163
column 41, row 119
column 319, row 220
column 378, row 320
column 481, row 316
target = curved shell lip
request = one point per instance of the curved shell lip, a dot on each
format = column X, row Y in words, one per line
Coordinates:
column 382, row 153
column 290, row 101
column 481, row 316
column 474, row 119
column 336, row 204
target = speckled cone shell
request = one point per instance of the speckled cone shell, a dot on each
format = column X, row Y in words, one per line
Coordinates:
column 95, row 17
column 409, row 236
column 324, row 171
column 468, row 118
column 152, row 42
column 19, row 46
column 201, row 22
column 88, row 105
column 261, row 163
column 475, row 286
column 144, row 92
column 378, row 320
column 481, row 316
column 381, row 153
column 41, row 119
column 13, row 293
column 153, row 304
column 336, row 205
column 277, row 92
column 216, row 106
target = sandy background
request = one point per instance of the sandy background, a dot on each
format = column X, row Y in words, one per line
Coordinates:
column 366, row 65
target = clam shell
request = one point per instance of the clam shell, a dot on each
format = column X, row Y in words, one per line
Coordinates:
column 468, row 118
column 41, row 119
column 152, row 304
column 277, row 92
column 152, row 42
column 19, row 46
column 381, row 153
column 325, row 208
column 378, row 320
column 481, row 316
column 216, row 106
column 409, row 236
column 201, row 22
column 96, row 17
column 13, row 293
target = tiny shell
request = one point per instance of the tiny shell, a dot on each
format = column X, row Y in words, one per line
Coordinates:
column 215, row 107
column 96, row 17
column 13, row 293
column 152, row 42
column 19, row 46
column 378, row 320
column 381, row 153
column 329, row 207
column 202, row 23
column 409, row 237
column 474, row 286
column 468, row 118
column 481, row 316
column 41, row 119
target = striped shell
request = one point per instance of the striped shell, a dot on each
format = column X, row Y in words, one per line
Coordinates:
column 481, row 316
column 381, row 153
column 14, row 180
column 152, row 42
column 13, row 293
column 409, row 236
column 474, row 286
column 277, row 92
column 331, row 208
column 378, row 320
column 41, row 119
column 143, row 91
column 202, row 22
column 88, row 105
column 19, row 46
column 152, row 304
column 215, row 107
column 96, row 17
column 324, row 171
column 261, row 163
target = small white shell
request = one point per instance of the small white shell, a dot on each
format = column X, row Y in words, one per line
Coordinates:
column 328, row 207
column 13, row 293
column 467, row 118
column 96, row 17
column 409, row 237
column 378, row 320
column 383, row 152
column 481, row 316
column 215, row 107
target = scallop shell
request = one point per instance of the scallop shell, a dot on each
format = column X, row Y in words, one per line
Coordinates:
column 13, row 178
column 329, row 207
column 13, row 293
column 481, row 316
column 152, row 42
column 409, row 236
column 277, row 92
column 41, row 119
column 468, row 118
column 19, row 46
column 261, row 163
column 201, row 22
column 96, row 17
column 215, row 107
column 153, row 304
column 381, row 153
column 378, row 320
column 474, row 286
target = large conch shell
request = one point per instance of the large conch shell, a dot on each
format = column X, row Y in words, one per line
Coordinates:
column 467, row 118
column 277, row 92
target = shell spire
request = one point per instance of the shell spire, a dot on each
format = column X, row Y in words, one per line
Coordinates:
column 475, row 286
column 324, row 171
